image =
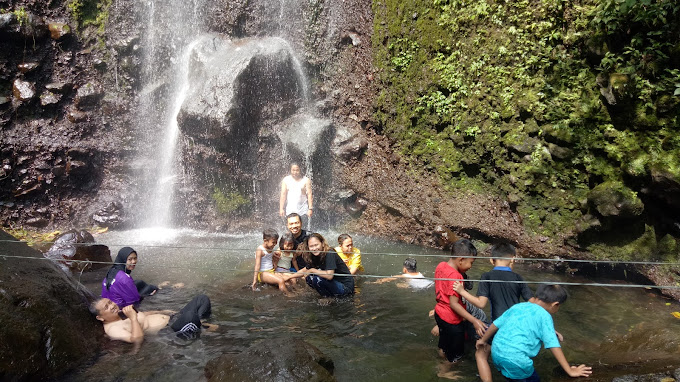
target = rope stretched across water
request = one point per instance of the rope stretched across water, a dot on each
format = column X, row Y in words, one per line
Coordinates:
column 232, row 249
column 646, row 286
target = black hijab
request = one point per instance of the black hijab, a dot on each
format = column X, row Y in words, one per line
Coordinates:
column 120, row 261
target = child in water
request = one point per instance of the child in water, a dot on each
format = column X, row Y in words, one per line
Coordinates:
column 264, row 263
column 350, row 254
column 283, row 258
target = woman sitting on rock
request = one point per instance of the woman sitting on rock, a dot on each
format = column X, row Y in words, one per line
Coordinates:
column 119, row 287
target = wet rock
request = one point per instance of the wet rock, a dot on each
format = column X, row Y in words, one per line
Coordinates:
column 77, row 116
column 59, row 87
column 280, row 359
column 4, row 100
column 76, row 167
column 613, row 87
column 444, row 236
column 347, row 146
column 27, row 67
column 615, row 199
column 229, row 78
column 6, row 19
column 527, row 146
column 110, row 216
column 59, row 30
column 664, row 187
column 356, row 207
column 88, row 95
column 49, row 98
column 23, row 90
column 37, row 222
column 558, row 151
column 127, row 45
column 52, row 330
column 78, row 246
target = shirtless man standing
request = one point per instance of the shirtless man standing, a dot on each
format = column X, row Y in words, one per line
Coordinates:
column 130, row 326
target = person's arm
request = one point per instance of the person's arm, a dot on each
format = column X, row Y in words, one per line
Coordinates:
column 276, row 256
column 120, row 332
column 256, row 270
column 326, row 274
column 487, row 336
column 572, row 371
column 294, row 262
column 480, row 327
column 478, row 301
column 310, row 198
column 282, row 199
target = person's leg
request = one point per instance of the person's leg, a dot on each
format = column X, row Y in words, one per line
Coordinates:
column 188, row 320
column 326, row 288
column 532, row 378
column 274, row 279
column 482, row 358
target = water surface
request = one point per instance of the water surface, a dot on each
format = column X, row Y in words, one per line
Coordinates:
column 381, row 334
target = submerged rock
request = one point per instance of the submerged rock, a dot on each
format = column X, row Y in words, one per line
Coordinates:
column 48, row 328
column 280, row 359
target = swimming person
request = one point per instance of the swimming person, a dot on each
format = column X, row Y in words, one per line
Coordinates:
column 350, row 254
column 296, row 195
column 415, row 279
column 118, row 285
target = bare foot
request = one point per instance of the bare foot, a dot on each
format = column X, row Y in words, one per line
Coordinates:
column 210, row 327
column 431, row 313
column 444, row 371
column 163, row 284
column 435, row 331
column 178, row 285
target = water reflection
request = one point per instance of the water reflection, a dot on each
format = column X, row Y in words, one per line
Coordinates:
column 382, row 333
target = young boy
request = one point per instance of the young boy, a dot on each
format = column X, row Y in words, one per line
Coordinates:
column 522, row 329
column 264, row 263
column 450, row 311
column 416, row 280
column 501, row 295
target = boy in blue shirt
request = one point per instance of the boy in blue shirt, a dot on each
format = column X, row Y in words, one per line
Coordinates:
column 520, row 331
column 501, row 295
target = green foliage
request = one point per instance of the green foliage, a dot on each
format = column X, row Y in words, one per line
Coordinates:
column 21, row 15
column 506, row 97
column 230, row 202
column 90, row 12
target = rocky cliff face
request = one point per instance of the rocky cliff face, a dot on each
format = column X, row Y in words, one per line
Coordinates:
column 73, row 148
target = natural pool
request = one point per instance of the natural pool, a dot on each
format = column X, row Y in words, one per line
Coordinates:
column 381, row 334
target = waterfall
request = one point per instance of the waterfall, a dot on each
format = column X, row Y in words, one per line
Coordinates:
column 171, row 28
column 222, row 96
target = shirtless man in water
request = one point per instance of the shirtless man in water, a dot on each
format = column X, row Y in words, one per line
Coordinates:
column 130, row 326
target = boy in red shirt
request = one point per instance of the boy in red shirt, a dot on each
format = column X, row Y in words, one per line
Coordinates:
column 450, row 312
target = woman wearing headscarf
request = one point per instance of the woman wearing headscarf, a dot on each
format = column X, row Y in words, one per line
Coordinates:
column 119, row 287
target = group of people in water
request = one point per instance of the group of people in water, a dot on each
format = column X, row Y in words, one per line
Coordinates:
column 512, row 337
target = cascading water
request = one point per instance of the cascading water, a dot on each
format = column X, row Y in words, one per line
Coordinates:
column 216, row 98
column 171, row 28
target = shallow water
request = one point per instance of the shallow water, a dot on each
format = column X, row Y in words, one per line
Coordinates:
column 382, row 333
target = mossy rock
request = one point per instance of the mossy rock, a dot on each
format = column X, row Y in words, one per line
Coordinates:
column 615, row 199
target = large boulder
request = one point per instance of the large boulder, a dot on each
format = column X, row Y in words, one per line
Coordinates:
column 280, row 359
column 46, row 328
column 615, row 199
column 79, row 246
column 236, row 81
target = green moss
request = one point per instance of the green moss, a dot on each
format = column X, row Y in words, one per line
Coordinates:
column 466, row 85
column 231, row 202
column 90, row 13
column 640, row 248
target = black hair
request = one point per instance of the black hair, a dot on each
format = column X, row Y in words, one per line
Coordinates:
column 270, row 234
column 286, row 238
column 292, row 215
column 93, row 307
column 463, row 248
column 410, row 264
column 551, row 293
column 343, row 237
column 503, row 250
